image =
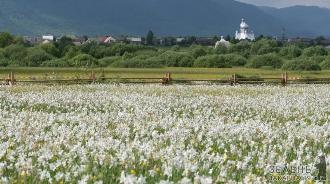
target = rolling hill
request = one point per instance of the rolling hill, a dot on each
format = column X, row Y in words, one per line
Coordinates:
column 132, row 17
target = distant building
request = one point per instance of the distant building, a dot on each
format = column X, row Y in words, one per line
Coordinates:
column 222, row 42
column 48, row 37
column 32, row 39
column 205, row 41
column 134, row 40
column 244, row 33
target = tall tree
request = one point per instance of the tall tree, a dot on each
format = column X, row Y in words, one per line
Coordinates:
column 150, row 38
column 6, row 39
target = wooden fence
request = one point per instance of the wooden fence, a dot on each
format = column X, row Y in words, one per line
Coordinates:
column 167, row 79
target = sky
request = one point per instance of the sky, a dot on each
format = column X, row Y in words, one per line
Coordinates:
column 286, row 3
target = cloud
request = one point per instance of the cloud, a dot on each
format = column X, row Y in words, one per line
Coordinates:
column 286, row 3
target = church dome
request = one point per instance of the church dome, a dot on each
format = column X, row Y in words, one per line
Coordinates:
column 244, row 25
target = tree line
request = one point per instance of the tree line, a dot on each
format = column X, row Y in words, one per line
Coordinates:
column 264, row 53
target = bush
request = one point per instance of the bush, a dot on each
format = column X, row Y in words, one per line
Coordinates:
column 176, row 59
column 137, row 62
column 264, row 46
column 56, row 63
column 198, row 51
column 325, row 65
column 50, row 49
column 15, row 52
column 301, row 64
column 36, row 57
column 107, row 61
column 4, row 62
column 212, row 61
column 315, row 51
column 291, row 51
column 234, row 60
column 6, row 39
column 242, row 48
column 83, row 60
column 272, row 60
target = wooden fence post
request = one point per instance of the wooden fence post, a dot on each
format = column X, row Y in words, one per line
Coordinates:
column 92, row 77
column 102, row 75
column 285, row 79
column 11, row 79
column 167, row 79
column 233, row 80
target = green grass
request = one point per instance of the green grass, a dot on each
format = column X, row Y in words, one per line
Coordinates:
column 177, row 73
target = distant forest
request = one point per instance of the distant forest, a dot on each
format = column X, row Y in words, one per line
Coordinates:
column 263, row 53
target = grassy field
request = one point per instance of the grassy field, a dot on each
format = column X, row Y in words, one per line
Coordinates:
column 177, row 73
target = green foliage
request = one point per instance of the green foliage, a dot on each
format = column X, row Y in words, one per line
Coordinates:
column 50, row 49
column 6, row 39
column 137, row 62
column 198, row 51
column 15, row 52
column 63, row 44
column 272, row 60
column 212, row 61
column 176, row 59
column 107, row 61
column 243, row 48
column 83, row 60
column 56, row 63
column 4, row 62
column 150, row 38
column 264, row 46
column 264, row 53
column 315, row 51
column 301, row 64
column 290, row 51
column 36, row 57
column 325, row 65
column 235, row 60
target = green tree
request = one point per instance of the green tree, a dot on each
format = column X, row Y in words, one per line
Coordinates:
column 315, row 51
column 6, row 39
column 290, row 51
column 272, row 60
column 150, row 38
column 63, row 44
column 36, row 57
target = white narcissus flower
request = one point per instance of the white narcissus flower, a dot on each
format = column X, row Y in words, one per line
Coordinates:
column 165, row 134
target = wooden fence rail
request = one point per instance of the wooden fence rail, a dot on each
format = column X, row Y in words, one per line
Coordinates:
column 167, row 79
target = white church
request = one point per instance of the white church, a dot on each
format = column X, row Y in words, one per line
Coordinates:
column 244, row 33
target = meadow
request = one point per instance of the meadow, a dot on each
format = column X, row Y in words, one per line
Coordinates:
column 177, row 72
column 162, row 134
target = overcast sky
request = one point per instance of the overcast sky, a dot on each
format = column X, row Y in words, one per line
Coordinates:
column 286, row 3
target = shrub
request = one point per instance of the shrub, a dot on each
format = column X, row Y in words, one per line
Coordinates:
column 83, row 60
column 301, row 64
column 107, row 61
column 4, row 62
column 198, row 51
column 176, row 59
column 36, row 57
column 212, row 61
column 6, row 39
column 291, row 51
column 264, row 46
column 15, row 52
column 265, row 60
column 325, row 65
column 56, row 63
column 235, row 60
column 137, row 62
column 315, row 51
column 50, row 49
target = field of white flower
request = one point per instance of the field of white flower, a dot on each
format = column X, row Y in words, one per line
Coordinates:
column 160, row 134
